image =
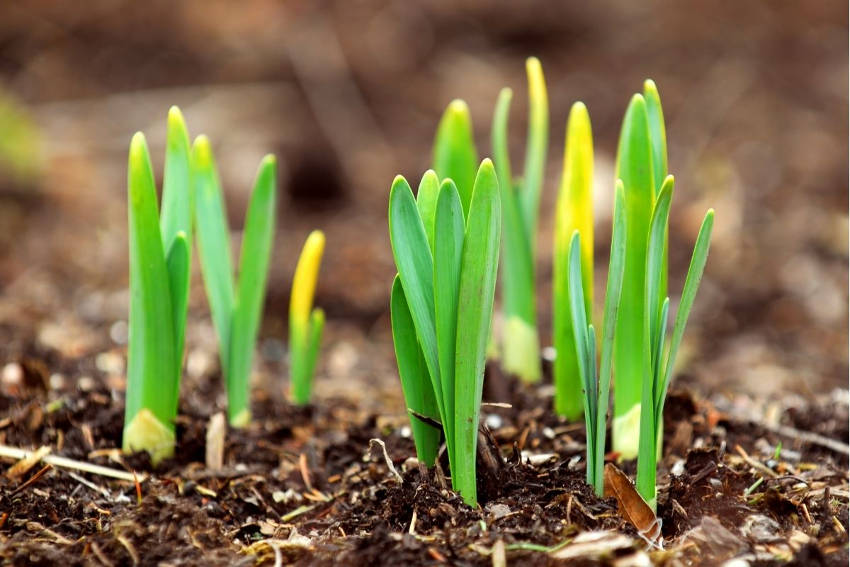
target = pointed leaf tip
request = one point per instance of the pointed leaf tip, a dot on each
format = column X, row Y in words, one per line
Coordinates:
column 269, row 160
column 202, row 151
column 138, row 144
column 458, row 106
column 175, row 117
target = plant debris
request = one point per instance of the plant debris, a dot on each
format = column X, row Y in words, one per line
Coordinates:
column 313, row 486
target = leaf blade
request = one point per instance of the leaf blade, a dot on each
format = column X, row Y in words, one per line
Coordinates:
column 574, row 211
column 254, row 259
column 213, row 244
column 413, row 372
column 150, row 365
column 448, row 248
column 475, row 308
column 455, row 156
column 415, row 266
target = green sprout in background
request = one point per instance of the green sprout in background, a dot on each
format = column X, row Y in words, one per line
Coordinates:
column 455, row 156
column 305, row 322
column 596, row 386
column 446, row 248
column 642, row 166
column 573, row 212
column 236, row 307
column 520, row 208
column 658, row 368
column 159, row 291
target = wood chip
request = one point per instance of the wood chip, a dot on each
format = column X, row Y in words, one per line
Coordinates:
column 631, row 505
column 216, row 430
column 29, row 460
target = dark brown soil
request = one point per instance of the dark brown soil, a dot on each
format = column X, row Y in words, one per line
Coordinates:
column 305, row 485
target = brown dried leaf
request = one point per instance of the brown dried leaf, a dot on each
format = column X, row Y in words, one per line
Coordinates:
column 23, row 466
column 631, row 506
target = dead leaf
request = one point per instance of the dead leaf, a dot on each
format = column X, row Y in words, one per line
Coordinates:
column 595, row 545
column 24, row 465
column 631, row 505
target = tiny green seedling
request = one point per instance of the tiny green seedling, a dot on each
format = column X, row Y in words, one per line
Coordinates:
column 574, row 211
column 642, row 166
column 520, row 209
column 305, row 322
column 658, row 368
column 596, row 385
column 446, row 248
column 159, row 291
column 236, row 307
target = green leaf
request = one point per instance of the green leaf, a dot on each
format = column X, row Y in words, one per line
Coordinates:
column 176, row 219
column 535, row 148
column 448, row 247
column 251, row 290
column 416, row 270
column 455, row 155
column 655, row 259
column 151, row 366
column 314, row 343
column 658, row 139
column 613, row 289
column 213, row 244
column 689, row 292
column 415, row 380
column 520, row 341
column 475, row 308
column 657, row 133
column 652, row 339
column 176, row 182
column 177, row 262
column 581, row 346
column 499, row 141
column 574, row 211
column 634, row 168
column 426, row 202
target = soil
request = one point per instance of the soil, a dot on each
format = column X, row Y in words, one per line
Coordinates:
column 308, row 486
column 755, row 467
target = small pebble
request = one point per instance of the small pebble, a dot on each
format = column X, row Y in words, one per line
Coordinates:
column 85, row 383
column 761, row 529
column 57, row 381
column 493, row 421
column 499, row 510
column 13, row 374
column 119, row 332
column 109, row 363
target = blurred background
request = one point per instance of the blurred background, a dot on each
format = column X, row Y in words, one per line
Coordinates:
column 349, row 93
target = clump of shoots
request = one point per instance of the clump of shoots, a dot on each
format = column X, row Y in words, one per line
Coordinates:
column 520, row 209
column 642, row 166
column 236, row 306
column 573, row 212
column 658, row 365
column 305, row 322
column 446, row 248
column 159, row 290
column 596, row 385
